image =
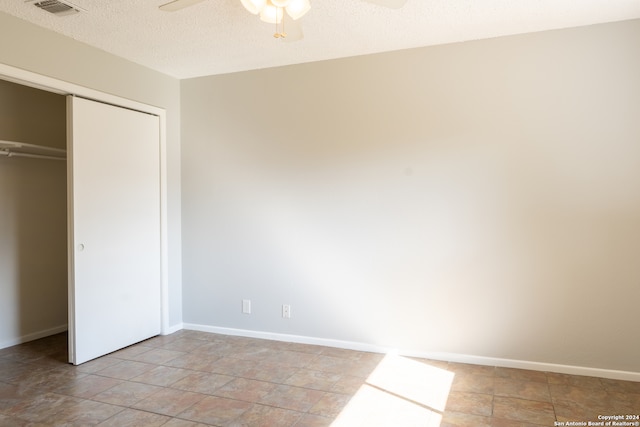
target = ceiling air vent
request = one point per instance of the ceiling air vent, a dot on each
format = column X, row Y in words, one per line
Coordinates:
column 56, row 7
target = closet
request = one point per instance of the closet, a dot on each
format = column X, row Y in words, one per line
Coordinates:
column 81, row 229
column 33, row 214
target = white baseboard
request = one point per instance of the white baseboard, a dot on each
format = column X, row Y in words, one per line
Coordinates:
column 287, row 338
column 33, row 336
column 532, row 366
column 449, row 357
column 171, row 329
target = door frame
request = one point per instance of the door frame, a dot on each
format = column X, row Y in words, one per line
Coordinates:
column 50, row 84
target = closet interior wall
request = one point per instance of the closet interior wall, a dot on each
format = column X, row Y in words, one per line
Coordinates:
column 33, row 217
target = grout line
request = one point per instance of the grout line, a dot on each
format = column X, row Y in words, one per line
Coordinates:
column 553, row 405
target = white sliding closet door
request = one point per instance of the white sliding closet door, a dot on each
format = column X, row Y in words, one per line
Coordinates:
column 114, row 228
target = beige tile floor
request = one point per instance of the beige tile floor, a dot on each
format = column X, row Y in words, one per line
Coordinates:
column 197, row 379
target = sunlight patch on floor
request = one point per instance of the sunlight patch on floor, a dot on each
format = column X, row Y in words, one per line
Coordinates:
column 400, row 392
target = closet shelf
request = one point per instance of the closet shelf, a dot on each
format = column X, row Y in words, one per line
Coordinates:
column 22, row 149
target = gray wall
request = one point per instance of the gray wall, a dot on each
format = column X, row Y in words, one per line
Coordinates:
column 479, row 198
column 32, row 48
column 33, row 216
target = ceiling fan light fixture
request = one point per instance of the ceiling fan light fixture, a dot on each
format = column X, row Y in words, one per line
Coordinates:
column 271, row 13
column 296, row 9
column 254, row 6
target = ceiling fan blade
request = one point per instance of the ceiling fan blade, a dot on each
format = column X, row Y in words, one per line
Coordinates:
column 293, row 30
column 392, row 4
column 174, row 5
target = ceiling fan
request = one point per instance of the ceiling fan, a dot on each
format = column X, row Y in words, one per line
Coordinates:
column 273, row 11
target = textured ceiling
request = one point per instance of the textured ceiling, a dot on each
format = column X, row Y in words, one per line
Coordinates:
column 220, row 36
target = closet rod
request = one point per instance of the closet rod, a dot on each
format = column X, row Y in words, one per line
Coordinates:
column 7, row 153
column 15, row 144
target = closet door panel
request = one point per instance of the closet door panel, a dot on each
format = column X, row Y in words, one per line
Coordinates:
column 114, row 199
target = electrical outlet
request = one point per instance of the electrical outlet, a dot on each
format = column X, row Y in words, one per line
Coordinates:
column 246, row 306
column 286, row 311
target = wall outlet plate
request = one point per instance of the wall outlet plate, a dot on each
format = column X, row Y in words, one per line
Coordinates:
column 246, row 306
column 286, row 311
